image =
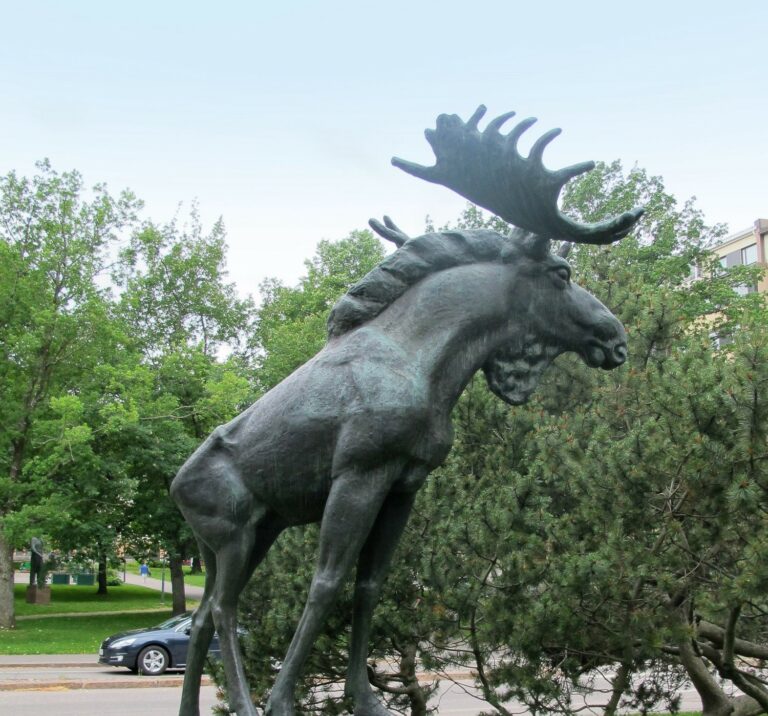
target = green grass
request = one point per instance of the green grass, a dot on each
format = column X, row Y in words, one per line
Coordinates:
column 69, row 598
column 72, row 635
column 81, row 634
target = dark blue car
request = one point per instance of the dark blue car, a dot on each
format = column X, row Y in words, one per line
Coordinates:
column 153, row 650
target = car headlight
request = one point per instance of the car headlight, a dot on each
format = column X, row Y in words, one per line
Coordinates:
column 122, row 643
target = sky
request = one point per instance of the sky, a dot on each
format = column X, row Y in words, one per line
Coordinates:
column 282, row 117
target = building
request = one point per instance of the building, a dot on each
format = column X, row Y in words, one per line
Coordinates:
column 744, row 248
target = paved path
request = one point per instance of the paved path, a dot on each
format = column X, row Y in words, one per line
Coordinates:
column 191, row 591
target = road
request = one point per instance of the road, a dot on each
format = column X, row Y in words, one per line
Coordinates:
column 105, row 691
column 158, row 702
column 100, row 702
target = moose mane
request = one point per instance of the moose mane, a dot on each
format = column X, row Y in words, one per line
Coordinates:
column 416, row 259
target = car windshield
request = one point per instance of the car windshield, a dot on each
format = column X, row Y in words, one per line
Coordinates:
column 173, row 621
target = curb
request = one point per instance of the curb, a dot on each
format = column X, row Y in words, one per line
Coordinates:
column 52, row 665
column 136, row 683
column 80, row 615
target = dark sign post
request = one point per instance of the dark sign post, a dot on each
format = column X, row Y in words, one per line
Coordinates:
column 162, row 581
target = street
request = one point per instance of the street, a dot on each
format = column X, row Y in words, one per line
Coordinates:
column 101, row 702
column 112, row 692
column 159, row 701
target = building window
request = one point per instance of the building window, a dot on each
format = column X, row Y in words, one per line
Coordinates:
column 695, row 272
column 720, row 340
column 743, row 289
column 749, row 255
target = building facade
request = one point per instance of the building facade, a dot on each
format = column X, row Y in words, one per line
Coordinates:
column 744, row 248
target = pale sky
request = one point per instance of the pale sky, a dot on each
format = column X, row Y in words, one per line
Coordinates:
column 282, row 117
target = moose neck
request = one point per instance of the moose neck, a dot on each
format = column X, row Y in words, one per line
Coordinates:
column 452, row 321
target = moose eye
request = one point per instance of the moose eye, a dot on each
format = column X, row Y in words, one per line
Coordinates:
column 563, row 274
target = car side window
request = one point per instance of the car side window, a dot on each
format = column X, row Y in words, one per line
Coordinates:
column 184, row 626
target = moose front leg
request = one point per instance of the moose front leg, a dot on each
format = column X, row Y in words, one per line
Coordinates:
column 372, row 569
column 353, row 504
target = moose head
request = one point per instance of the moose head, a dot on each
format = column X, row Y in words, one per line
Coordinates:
column 487, row 168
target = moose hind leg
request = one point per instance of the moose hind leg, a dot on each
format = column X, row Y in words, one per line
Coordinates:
column 354, row 501
column 235, row 562
column 372, row 569
column 200, row 639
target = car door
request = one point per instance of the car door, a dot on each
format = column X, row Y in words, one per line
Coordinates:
column 178, row 643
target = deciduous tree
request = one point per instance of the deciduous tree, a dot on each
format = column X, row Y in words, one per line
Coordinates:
column 189, row 326
column 54, row 242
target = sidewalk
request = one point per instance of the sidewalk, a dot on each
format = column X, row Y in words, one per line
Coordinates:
column 75, row 671
column 58, row 661
column 191, row 591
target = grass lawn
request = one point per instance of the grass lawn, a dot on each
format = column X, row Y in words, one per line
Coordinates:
column 70, row 598
column 72, row 635
column 196, row 580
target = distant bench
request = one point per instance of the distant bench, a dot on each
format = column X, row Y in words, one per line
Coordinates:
column 81, row 579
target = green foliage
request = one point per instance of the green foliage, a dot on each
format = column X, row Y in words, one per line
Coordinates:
column 187, row 330
column 175, row 293
column 54, row 333
column 582, row 523
column 290, row 327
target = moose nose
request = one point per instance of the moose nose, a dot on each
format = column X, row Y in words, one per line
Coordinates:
column 616, row 356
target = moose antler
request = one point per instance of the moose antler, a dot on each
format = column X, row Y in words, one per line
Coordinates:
column 486, row 168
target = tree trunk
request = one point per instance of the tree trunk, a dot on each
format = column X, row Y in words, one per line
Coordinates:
column 196, row 567
column 102, row 575
column 7, row 616
column 619, row 685
column 714, row 700
column 177, row 584
column 416, row 695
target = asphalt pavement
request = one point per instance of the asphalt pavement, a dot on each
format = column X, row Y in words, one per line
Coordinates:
column 155, row 582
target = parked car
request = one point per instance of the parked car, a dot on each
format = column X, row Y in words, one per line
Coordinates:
column 153, row 650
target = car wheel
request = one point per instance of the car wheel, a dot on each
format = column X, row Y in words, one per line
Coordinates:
column 153, row 660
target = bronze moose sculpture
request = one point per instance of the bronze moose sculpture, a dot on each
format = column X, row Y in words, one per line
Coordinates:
column 348, row 438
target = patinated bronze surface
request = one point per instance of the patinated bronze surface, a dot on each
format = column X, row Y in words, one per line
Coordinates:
column 348, row 439
column 36, row 559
